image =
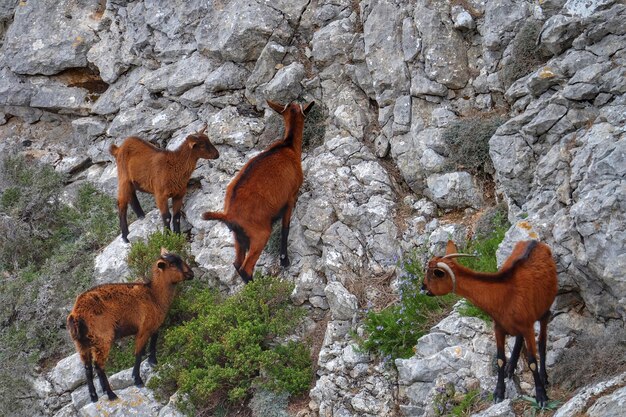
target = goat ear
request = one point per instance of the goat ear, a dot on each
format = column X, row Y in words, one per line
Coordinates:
column 279, row 108
column 307, row 108
column 161, row 264
column 451, row 248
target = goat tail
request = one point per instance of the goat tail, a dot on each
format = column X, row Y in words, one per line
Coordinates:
column 240, row 234
column 77, row 328
column 113, row 149
column 215, row 215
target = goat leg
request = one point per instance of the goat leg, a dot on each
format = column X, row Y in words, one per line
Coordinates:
column 177, row 204
column 92, row 389
column 152, row 360
column 104, row 383
column 136, row 370
column 134, row 204
column 284, row 234
column 123, row 223
column 543, row 336
column 509, row 370
column 531, row 350
column 498, row 394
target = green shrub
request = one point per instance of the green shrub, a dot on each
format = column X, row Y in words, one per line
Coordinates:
column 468, row 140
column 142, row 254
column 46, row 258
column 394, row 331
column 225, row 347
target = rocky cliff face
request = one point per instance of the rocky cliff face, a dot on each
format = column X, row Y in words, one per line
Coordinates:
column 390, row 78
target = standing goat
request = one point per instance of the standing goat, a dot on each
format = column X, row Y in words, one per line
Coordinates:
column 144, row 167
column 112, row 311
column 515, row 297
column 266, row 189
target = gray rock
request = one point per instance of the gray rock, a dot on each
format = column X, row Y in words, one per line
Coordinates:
column 422, row 86
column 559, row 32
column 68, row 374
column 131, row 401
column 503, row 409
column 609, row 405
column 411, row 43
column 443, row 48
column 462, row 19
column 343, row 305
column 382, row 34
column 334, row 43
column 60, row 98
column 579, row 403
column 238, row 31
column 34, row 48
column 179, row 77
column 285, row 87
column 453, row 190
column 502, row 20
column 229, row 76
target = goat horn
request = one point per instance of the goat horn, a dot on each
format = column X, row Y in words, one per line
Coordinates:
column 459, row 255
column 284, row 108
column 446, row 268
column 164, row 251
column 301, row 110
column 201, row 132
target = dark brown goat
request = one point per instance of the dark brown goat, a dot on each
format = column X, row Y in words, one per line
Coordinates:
column 144, row 167
column 515, row 297
column 266, row 189
column 111, row 311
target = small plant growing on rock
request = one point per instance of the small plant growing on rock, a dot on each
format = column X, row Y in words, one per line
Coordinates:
column 468, row 140
column 142, row 254
column 525, row 54
column 394, row 331
column 448, row 402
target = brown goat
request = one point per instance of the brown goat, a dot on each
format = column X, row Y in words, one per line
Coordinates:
column 265, row 190
column 515, row 297
column 112, row 311
column 144, row 167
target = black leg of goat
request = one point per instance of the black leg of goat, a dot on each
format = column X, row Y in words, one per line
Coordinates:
column 136, row 369
column 152, row 360
column 512, row 364
column 284, row 234
column 104, row 383
column 92, row 390
column 123, row 224
column 543, row 336
column 134, row 204
column 498, row 394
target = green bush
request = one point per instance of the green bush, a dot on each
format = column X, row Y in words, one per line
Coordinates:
column 468, row 140
column 225, row 347
column 142, row 254
column 394, row 331
column 46, row 258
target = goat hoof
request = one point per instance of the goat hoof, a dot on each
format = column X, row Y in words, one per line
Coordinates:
column 94, row 398
column 284, row 261
column 139, row 383
column 112, row 396
column 152, row 361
